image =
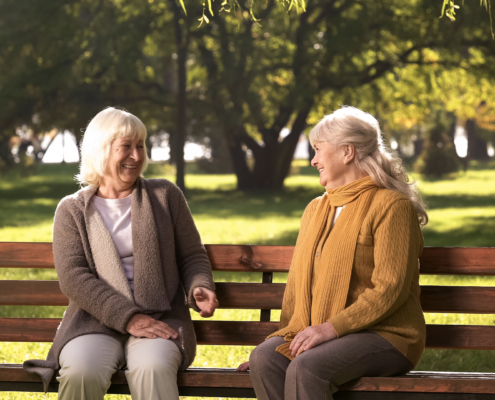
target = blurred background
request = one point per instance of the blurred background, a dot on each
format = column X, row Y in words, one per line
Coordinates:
column 229, row 92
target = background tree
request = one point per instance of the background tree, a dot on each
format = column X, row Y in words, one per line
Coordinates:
column 244, row 80
column 264, row 78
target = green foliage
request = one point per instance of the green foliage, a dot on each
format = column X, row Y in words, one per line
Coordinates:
column 449, row 8
column 246, row 80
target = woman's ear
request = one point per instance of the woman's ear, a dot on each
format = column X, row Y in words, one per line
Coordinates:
column 349, row 153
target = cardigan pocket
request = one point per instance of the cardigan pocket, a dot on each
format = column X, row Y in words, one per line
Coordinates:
column 365, row 240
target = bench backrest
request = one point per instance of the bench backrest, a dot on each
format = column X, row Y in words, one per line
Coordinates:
column 264, row 296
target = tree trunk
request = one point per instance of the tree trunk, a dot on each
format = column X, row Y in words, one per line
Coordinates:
column 245, row 179
column 477, row 149
column 180, row 134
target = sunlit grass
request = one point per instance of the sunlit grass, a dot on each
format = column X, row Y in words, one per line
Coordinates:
column 461, row 210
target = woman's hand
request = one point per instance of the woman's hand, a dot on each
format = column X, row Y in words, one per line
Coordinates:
column 312, row 336
column 243, row 367
column 143, row 326
column 206, row 300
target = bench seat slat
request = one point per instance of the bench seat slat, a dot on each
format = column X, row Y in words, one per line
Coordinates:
column 448, row 299
column 434, row 260
column 433, row 382
column 472, row 337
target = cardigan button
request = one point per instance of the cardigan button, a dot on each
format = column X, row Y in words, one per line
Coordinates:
column 317, row 253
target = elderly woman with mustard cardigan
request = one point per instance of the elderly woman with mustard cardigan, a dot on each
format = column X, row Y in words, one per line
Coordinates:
column 351, row 306
column 130, row 260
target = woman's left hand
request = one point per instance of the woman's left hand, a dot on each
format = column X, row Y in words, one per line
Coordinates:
column 312, row 336
column 206, row 301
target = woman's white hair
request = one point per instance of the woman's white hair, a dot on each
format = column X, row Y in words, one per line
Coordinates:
column 351, row 126
column 104, row 128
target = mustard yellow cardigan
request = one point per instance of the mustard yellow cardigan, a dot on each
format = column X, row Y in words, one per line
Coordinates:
column 383, row 295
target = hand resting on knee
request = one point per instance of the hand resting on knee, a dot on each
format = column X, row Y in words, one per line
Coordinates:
column 143, row 326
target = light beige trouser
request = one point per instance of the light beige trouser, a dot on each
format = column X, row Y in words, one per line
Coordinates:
column 88, row 362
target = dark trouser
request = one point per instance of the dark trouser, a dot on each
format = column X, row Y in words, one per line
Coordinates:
column 317, row 373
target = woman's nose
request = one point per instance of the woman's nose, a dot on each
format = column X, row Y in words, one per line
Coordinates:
column 314, row 162
column 136, row 154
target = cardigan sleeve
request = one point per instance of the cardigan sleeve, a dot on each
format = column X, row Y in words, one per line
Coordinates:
column 397, row 245
column 77, row 281
column 192, row 259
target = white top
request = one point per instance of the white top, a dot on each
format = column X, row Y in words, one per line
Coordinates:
column 337, row 212
column 116, row 214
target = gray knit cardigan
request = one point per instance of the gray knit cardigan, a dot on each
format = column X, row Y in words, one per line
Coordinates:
column 169, row 263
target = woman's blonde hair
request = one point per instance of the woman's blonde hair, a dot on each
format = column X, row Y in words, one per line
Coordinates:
column 103, row 129
column 351, row 126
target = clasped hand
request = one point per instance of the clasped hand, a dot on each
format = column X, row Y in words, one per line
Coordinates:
column 144, row 326
column 312, row 336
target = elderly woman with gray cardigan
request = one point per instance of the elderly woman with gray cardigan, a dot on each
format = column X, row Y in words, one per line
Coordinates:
column 130, row 260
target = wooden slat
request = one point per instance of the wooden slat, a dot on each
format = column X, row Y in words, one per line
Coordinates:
column 458, row 261
column 230, row 295
column 458, row 299
column 233, row 332
column 207, row 332
column 31, row 293
column 432, row 382
column 267, row 296
column 469, row 337
column 434, row 260
column 472, row 337
column 26, row 255
column 222, row 257
column 250, row 258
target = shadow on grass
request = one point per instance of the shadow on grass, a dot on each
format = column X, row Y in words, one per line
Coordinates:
column 458, row 201
column 479, row 232
column 287, row 201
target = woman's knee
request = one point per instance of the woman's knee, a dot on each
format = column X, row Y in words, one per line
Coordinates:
column 90, row 360
column 154, row 365
column 154, row 356
column 302, row 364
column 82, row 372
column 262, row 357
column 257, row 358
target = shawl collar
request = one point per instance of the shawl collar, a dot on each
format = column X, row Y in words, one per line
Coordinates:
column 149, row 284
column 149, row 288
column 105, row 255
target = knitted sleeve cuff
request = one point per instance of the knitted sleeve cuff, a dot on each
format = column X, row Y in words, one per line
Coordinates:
column 340, row 325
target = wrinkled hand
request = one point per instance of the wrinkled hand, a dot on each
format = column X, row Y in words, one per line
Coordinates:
column 312, row 336
column 243, row 367
column 206, row 301
column 143, row 326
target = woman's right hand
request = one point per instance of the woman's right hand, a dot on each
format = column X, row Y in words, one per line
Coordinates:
column 243, row 367
column 143, row 326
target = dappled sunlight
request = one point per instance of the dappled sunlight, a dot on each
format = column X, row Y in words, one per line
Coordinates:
column 470, row 227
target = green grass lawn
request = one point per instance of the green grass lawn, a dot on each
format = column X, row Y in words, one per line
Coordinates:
column 461, row 210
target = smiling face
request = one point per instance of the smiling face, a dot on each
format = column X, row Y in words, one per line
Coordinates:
column 332, row 164
column 124, row 163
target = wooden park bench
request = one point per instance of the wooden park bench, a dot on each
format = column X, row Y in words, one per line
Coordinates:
column 266, row 296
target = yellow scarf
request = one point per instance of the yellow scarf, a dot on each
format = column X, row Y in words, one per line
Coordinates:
column 333, row 278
